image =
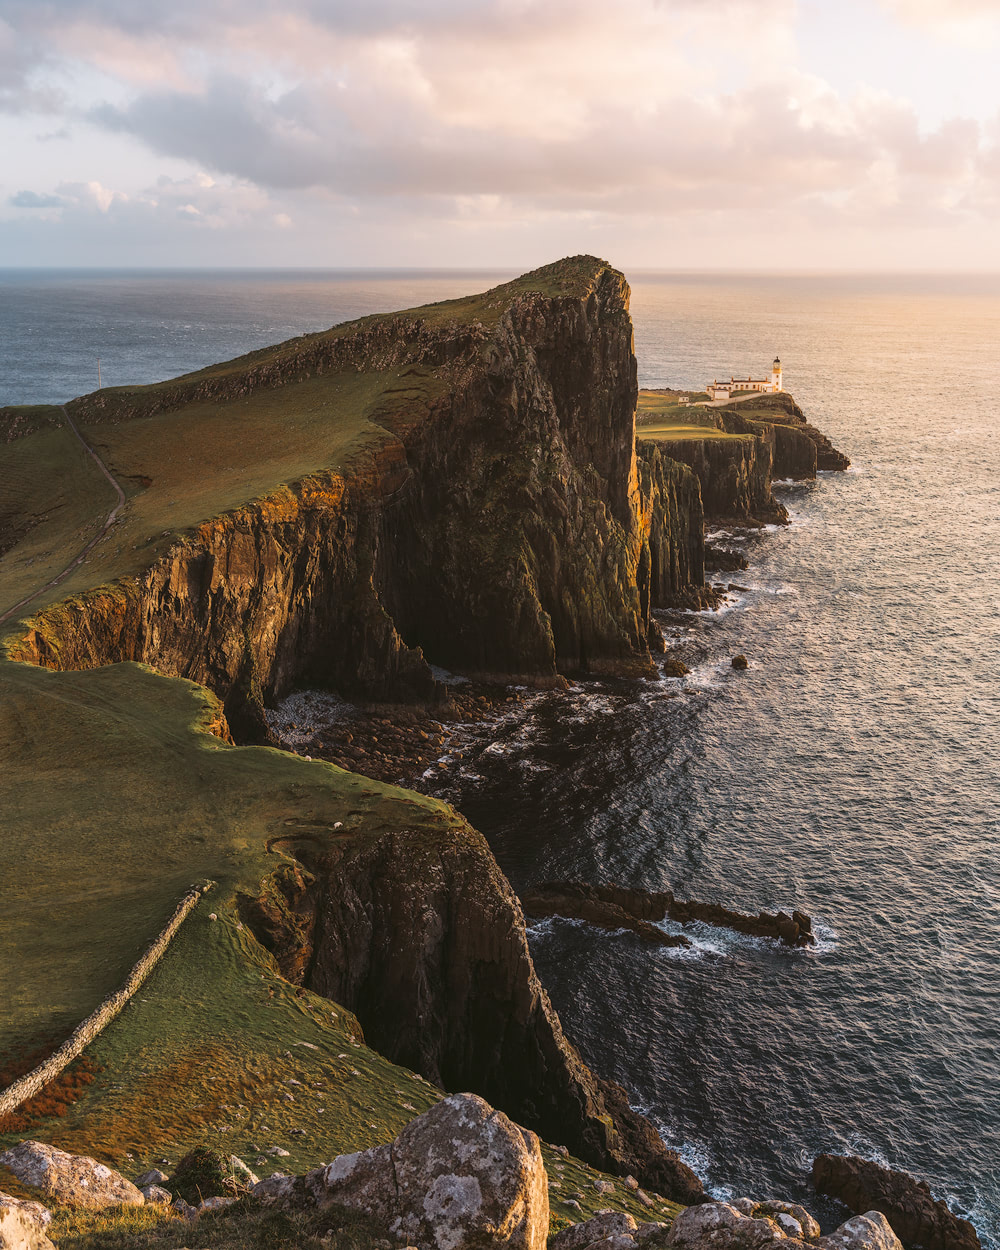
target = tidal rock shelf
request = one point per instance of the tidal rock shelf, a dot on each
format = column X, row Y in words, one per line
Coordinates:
column 622, row 907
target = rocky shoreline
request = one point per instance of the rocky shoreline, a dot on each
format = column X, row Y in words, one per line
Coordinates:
column 461, row 1176
column 508, row 526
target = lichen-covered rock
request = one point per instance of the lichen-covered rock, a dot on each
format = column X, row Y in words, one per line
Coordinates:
column 794, row 1220
column 906, row 1203
column 773, row 1225
column 153, row 1177
column 74, row 1180
column 23, row 1225
column 870, row 1231
column 156, row 1193
column 718, row 1226
column 278, row 1187
column 459, row 1177
column 598, row 1228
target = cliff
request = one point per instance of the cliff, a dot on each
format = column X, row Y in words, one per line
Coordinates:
column 423, row 939
column 673, row 520
column 800, row 449
column 487, row 513
column 735, row 476
column 496, row 524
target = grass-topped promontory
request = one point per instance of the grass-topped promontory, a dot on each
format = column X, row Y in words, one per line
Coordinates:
column 120, row 788
column 662, row 418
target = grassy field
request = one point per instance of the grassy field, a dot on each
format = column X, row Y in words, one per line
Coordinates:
column 660, row 418
column 666, row 432
column 115, row 800
column 217, row 1050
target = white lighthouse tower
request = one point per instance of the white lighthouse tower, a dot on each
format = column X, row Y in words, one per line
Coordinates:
column 776, row 375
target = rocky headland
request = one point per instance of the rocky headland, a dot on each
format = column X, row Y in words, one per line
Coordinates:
column 498, row 517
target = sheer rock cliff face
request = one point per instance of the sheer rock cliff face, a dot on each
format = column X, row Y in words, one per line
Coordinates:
column 500, row 528
column 673, row 522
column 799, row 448
column 735, row 476
column 424, row 941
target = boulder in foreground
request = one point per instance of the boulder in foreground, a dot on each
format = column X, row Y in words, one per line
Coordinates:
column 459, row 1177
column 747, row 1225
column 23, row 1224
column 73, row 1180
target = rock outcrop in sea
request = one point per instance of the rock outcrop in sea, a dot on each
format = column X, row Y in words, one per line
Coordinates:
column 907, row 1204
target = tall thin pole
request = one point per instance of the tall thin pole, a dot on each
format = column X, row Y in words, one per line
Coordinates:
column 98, row 373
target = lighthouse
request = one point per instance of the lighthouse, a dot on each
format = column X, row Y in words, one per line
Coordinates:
column 776, row 375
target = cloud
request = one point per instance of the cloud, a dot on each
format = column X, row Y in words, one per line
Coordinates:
column 32, row 199
column 966, row 22
column 480, row 114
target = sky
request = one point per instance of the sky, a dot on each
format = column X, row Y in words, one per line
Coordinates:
column 673, row 134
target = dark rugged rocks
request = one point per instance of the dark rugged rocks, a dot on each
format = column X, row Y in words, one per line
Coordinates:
column 672, row 519
column 423, row 939
column 740, row 662
column 601, row 904
column 723, row 560
column 605, row 913
column 792, row 435
column 906, row 1203
column 735, row 477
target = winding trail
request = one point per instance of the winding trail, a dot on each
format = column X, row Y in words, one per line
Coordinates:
column 111, row 518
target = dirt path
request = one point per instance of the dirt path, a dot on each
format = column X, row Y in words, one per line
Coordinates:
column 111, row 518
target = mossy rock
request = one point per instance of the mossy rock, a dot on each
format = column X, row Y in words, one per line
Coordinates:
column 202, row 1173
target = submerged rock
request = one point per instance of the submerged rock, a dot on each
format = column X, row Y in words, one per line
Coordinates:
column 907, row 1203
column 617, row 906
column 73, row 1180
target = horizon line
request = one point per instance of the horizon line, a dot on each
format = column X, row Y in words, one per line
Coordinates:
column 761, row 271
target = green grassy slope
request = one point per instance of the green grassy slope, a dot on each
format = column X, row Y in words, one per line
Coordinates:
column 217, row 1050
column 114, row 801
column 661, row 418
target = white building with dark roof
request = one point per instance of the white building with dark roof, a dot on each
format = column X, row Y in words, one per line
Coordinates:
column 737, row 386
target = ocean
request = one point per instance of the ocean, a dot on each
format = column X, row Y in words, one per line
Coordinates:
column 852, row 771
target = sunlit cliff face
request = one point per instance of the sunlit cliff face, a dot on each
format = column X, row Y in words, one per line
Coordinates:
column 750, row 133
